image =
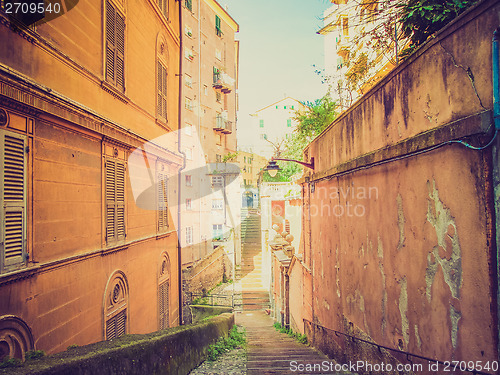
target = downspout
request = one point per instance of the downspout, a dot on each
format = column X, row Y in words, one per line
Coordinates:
column 496, row 86
column 179, row 149
column 496, row 181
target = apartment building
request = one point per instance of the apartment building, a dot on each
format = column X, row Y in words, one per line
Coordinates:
column 210, row 82
column 80, row 261
column 271, row 126
column 359, row 45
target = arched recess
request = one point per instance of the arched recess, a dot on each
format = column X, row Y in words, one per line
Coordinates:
column 116, row 306
column 15, row 338
column 164, row 292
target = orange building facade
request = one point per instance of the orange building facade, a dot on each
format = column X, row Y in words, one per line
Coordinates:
column 80, row 262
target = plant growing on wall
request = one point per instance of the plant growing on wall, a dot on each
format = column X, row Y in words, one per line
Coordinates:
column 421, row 18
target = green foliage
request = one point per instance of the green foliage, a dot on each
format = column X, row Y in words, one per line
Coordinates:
column 34, row 354
column 422, row 18
column 358, row 72
column 230, row 157
column 297, row 336
column 312, row 121
column 11, row 362
column 318, row 115
column 72, row 346
column 224, row 344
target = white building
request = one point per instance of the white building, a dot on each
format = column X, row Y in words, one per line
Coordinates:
column 270, row 125
column 349, row 30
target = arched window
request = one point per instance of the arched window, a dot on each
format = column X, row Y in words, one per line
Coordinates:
column 163, row 292
column 15, row 338
column 161, row 77
column 115, row 306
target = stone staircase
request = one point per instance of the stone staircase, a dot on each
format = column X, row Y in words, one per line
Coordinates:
column 255, row 296
column 272, row 352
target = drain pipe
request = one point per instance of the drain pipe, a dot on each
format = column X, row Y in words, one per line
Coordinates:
column 496, row 86
column 496, row 192
column 179, row 182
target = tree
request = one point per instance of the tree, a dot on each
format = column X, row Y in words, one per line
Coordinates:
column 311, row 122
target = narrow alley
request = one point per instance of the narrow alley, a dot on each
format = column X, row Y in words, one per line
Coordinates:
column 267, row 351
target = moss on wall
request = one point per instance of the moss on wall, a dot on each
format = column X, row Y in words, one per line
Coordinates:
column 172, row 351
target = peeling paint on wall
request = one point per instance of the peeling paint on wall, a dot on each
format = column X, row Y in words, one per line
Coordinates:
column 337, row 271
column 455, row 316
column 380, row 253
column 358, row 302
column 403, row 309
column 450, row 260
column 417, row 337
column 401, row 222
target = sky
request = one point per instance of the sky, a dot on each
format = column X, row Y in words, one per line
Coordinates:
column 279, row 48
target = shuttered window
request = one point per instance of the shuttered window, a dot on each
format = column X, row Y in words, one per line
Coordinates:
column 115, row 47
column 115, row 200
column 163, row 4
column 13, row 162
column 218, row 29
column 162, row 202
column 163, row 293
column 116, row 326
column 161, row 104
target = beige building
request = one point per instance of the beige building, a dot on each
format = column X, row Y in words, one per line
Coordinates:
column 354, row 61
column 210, row 77
column 251, row 166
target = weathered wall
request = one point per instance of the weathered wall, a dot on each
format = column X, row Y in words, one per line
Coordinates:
column 403, row 252
column 204, row 275
column 174, row 351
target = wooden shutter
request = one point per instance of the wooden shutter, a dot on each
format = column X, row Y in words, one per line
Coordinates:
column 115, row 200
column 110, row 42
column 116, row 326
column 162, row 90
column 115, row 47
column 120, row 51
column 13, row 174
column 162, row 201
column 163, row 299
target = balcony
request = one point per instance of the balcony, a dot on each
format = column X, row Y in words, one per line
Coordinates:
column 223, row 82
column 222, row 125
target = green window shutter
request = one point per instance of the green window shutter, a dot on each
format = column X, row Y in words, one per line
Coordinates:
column 289, row 123
column 261, row 123
column 13, row 163
column 218, row 29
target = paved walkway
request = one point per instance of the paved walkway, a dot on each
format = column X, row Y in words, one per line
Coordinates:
column 273, row 352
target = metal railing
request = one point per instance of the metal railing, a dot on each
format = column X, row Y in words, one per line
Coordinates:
column 212, row 299
column 407, row 354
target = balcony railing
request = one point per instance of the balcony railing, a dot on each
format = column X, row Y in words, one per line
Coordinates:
column 223, row 82
column 222, row 125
